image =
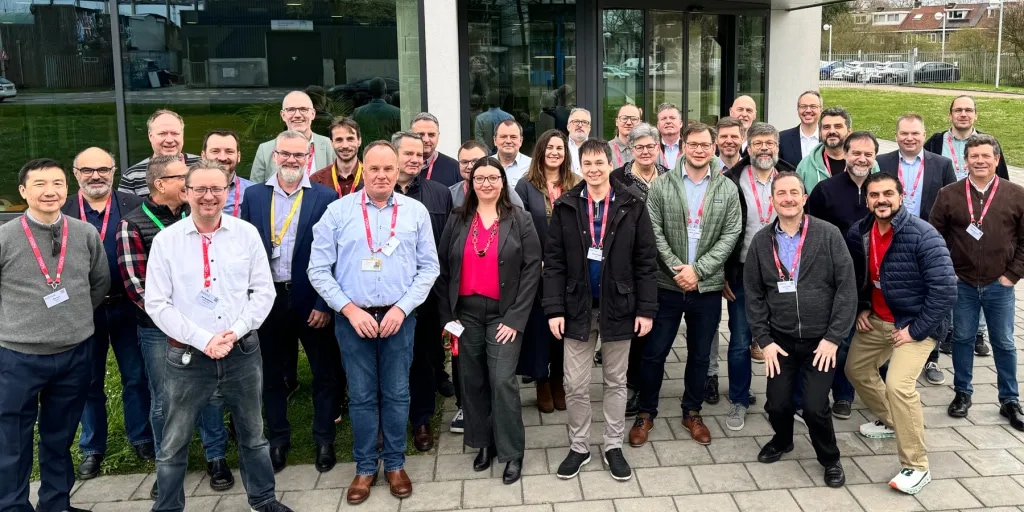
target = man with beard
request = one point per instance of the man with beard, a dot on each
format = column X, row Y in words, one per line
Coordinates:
column 628, row 117
column 508, row 138
column 669, row 124
column 298, row 114
column 828, row 159
column 436, row 165
column 208, row 286
column 579, row 132
column 424, row 376
column 221, row 146
column 284, row 211
column 98, row 204
column 753, row 178
column 345, row 173
column 798, row 141
column 963, row 114
column 907, row 288
column 801, row 295
column 166, row 130
column 730, row 141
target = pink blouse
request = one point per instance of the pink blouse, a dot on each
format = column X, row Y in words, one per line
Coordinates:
column 480, row 273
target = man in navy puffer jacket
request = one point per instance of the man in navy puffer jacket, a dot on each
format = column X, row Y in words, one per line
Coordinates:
column 907, row 289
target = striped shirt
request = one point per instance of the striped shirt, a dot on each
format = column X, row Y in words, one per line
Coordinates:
column 133, row 179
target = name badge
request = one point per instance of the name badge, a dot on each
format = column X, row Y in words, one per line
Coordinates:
column 207, row 299
column 693, row 231
column 594, row 253
column 389, row 248
column 275, row 252
column 56, row 297
column 787, row 286
column 878, row 284
column 455, row 328
column 370, row 265
column 975, row 231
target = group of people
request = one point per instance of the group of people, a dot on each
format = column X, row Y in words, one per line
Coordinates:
column 843, row 271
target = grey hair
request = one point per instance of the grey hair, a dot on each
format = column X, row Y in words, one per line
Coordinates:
column 578, row 109
column 643, row 130
column 666, row 106
column 983, row 139
column 760, row 128
column 425, row 116
column 157, row 168
column 205, row 164
column 396, row 139
column 289, row 134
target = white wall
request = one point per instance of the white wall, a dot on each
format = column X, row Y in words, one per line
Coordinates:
column 794, row 49
column 442, row 80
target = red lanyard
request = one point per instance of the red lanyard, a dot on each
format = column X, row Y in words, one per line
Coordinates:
column 952, row 151
column 828, row 166
column 599, row 243
column 552, row 195
column 430, row 169
column 618, row 154
column 238, row 197
column 310, row 159
column 465, row 189
column 700, row 213
column 876, row 258
column 757, row 198
column 366, row 222
column 988, row 202
column 54, row 283
column 106, row 214
column 796, row 257
column 206, row 261
column 917, row 182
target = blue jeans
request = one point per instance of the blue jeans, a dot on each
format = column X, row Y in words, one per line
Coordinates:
column 997, row 302
column 188, row 390
column 211, row 419
column 377, row 368
column 116, row 327
column 739, row 345
column 841, row 387
column 51, row 390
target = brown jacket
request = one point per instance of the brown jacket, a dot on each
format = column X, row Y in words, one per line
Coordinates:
column 1000, row 251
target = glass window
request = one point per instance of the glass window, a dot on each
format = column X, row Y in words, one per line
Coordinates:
column 522, row 66
column 704, row 81
column 751, row 54
column 624, row 64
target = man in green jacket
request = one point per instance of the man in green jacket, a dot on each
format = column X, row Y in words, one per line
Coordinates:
column 697, row 221
column 828, row 158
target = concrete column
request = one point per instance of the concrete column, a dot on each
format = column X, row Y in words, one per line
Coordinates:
column 444, row 84
column 794, row 49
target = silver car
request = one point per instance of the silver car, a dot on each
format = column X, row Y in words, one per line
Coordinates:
column 7, row 89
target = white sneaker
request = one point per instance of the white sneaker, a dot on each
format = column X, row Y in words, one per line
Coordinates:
column 877, row 430
column 458, row 424
column 910, row 481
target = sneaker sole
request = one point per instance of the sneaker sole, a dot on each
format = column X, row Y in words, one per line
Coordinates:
column 456, row 430
column 877, row 436
column 619, row 478
column 734, row 429
column 842, row 416
column 915, row 489
column 757, row 361
column 566, row 477
column 935, row 382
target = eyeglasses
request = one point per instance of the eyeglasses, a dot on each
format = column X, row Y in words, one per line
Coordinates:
column 201, row 191
column 491, row 180
column 963, row 111
column 808, row 107
column 89, row 171
column 645, row 148
column 766, row 144
column 579, row 122
column 286, row 155
column 172, row 177
column 706, row 146
column 297, row 110
column 468, row 163
column 629, row 119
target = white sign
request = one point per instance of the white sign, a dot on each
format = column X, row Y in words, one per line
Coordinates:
column 300, row 25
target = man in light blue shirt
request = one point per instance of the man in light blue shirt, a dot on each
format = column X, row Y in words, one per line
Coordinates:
column 374, row 261
column 508, row 138
column 694, row 201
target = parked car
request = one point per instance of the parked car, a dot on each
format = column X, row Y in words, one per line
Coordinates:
column 890, row 73
column 615, row 72
column 859, row 73
column 7, row 89
column 846, row 70
column 827, row 69
column 936, row 72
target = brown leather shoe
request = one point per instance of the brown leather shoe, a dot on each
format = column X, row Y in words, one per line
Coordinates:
column 698, row 431
column 641, row 426
column 401, row 486
column 545, row 403
column 755, row 353
column 359, row 490
column 558, row 395
column 423, row 438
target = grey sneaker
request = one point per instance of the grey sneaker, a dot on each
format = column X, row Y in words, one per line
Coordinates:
column 734, row 421
column 933, row 374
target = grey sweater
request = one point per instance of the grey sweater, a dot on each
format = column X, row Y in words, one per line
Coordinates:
column 824, row 305
column 26, row 324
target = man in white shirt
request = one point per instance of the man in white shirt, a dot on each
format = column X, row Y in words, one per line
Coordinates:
column 579, row 131
column 208, row 287
column 508, row 138
column 796, row 142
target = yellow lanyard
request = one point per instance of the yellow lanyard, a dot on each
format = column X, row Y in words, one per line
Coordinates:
column 355, row 182
column 277, row 239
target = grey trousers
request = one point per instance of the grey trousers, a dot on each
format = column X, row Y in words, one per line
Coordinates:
column 487, row 376
column 579, row 359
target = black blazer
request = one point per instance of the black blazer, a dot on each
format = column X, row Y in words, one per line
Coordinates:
column 935, row 142
column 938, row 172
column 446, row 170
column 315, row 200
column 126, row 202
column 533, row 203
column 435, row 197
column 789, row 146
column 519, row 258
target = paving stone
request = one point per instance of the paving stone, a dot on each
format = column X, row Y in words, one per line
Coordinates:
column 987, row 414
column 753, row 425
column 992, row 509
column 802, row 448
column 662, row 430
column 449, row 443
column 882, row 446
column 766, row 501
column 879, row 468
column 557, row 417
column 586, row 506
column 667, row 481
column 108, row 488
column 601, row 486
column 550, row 489
column 936, row 417
column 948, row 465
column 736, row 449
column 145, row 506
column 547, row 436
column 679, row 453
column 491, row 493
column 458, row 467
column 324, row 500
column 825, row 499
column 784, row 474
column 995, row 491
column 432, row 496
column 851, row 424
column 989, row 437
column 662, row 504
column 946, row 494
column 524, row 508
column 851, row 444
column 723, row 478
column 192, row 481
column 817, row 473
column 380, row 500
column 240, row 503
column 555, row 457
column 531, row 417
column 296, row 478
column 341, row 476
column 881, row 497
column 993, row 462
column 945, row 439
column 420, row 468
column 716, row 502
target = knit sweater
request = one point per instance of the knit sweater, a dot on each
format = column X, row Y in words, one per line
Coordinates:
column 26, row 324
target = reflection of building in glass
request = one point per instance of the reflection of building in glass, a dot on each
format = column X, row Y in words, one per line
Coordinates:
column 57, row 46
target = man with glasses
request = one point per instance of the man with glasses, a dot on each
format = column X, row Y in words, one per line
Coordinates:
column 166, row 130
column 222, row 147
column 730, row 140
column 437, row 166
column 298, row 114
column 98, row 204
column 508, row 138
column 796, row 142
column 628, row 117
column 963, row 114
column 345, row 174
column 469, row 152
column 579, row 132
column 209, row 287
column 669, row 124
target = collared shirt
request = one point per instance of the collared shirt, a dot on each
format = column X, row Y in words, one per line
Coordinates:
column 340, row 248
column 574, row 154
column 281, row 267
column 110, row 241
column 517, row 169
column 959, row 161
column 620, row 153
column 239, row 279
column 808, row 142
column 670, row 153
column 694, row 199
column 752, row 224
column 987, row 187
column 912, row 189
column 229, row 206
column 787, row 247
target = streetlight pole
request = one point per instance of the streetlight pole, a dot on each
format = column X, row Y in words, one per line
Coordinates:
column 828, row 28
column 999, row 44
column 942, row 16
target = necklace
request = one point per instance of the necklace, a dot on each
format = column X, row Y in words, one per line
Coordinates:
column 645, row 179
column 490, row 237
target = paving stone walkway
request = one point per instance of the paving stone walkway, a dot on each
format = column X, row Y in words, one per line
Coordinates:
column 977, row 463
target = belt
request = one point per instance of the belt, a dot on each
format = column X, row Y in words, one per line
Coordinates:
column 113, row 299
column 283, row 285
column 378, row 310
column 177, row 344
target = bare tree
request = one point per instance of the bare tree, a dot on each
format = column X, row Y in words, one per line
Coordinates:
column 1013, row 34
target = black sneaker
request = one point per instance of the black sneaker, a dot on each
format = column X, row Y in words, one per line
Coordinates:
column 960, row 405
column 570, row 467
column 980, row 348
column 273, row 506
column 617, row 465
column 711, row 390
column 946, row 345
column 633, row 405
column 597, row 358
column 841, row 410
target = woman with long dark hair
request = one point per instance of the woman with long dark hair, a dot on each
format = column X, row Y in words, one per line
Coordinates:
column 490, row 265
column 550, row 174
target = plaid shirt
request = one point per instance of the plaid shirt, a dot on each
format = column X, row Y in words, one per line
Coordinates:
column 131, row 259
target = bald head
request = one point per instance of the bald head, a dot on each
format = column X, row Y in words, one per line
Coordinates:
column 94, row 157
column 94, row 169
column 297, row 112
column 744, row 109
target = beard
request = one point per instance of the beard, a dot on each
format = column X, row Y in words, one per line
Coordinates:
column 833, row 145
column 95, row 190
column 764, row 162
column 858, row 173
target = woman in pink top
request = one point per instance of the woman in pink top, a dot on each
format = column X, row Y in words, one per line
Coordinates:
column 490, row 268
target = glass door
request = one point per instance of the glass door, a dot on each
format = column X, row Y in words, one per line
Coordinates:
column 666, row 56
column 704, row 75
column 623, row 64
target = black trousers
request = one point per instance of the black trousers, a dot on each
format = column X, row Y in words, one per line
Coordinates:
column 279, row 338
column 422, row 376
column 817, row 385
column 636, row 357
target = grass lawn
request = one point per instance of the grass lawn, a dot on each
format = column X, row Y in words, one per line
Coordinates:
column 877, row 111
column 974, row 86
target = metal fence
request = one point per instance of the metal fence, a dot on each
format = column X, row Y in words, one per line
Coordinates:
column 917, row 68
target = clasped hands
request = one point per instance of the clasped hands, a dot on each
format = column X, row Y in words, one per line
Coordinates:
column 366, row 325
column 686, row 278
column 221, row 344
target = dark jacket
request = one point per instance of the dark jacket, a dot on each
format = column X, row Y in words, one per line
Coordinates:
column 789, row 146
column 824, row 305
column 126, row 202
column 938, row 172
column 533, row 203
column 519, row 267
column 138, row 221
column 315, row 200
column 628, row 180
column 838, row 201
column 935, row 142
column 629, row 271
column 445, row 172
column 435, row 197
column 917, row 277
column 732, row 265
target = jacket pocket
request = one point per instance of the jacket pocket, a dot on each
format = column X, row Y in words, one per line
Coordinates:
column 573, row 304
column 623, row 301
